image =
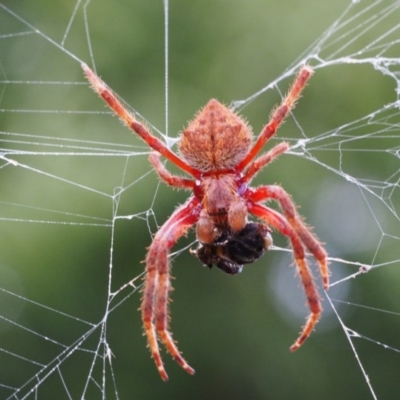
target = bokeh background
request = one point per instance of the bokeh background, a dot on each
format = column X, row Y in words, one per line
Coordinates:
column 57, row 209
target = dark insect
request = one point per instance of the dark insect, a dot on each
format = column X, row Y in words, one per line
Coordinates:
column 233, row 249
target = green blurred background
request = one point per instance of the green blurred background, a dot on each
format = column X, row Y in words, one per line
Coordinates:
column 235, row 331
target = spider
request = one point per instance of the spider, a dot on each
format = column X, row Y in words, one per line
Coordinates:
column 218, row 151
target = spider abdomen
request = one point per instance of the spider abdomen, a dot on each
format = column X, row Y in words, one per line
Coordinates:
column 215, row 139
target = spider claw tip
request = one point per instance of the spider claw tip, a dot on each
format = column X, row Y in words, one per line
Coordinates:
column 164, row 376
column 294, row 347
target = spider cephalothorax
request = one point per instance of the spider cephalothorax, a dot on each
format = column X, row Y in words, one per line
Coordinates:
column 218, row 152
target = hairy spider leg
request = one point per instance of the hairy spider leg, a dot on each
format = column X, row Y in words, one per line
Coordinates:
column 167, row 177
column 280, row 223
column 277, row 193
column 259, row 163
column 127, row 118
column 278, row 115
column 157, row 285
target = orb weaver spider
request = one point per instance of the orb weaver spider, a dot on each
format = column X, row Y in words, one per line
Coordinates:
column 218, row 151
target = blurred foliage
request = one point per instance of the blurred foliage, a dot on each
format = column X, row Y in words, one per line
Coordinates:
column 233, row 330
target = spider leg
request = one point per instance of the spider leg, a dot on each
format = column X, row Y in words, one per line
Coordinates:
column 157, row 284
column 262, row 161
column 280, row 223
column 166, row 176
column 278, row 115
column 111, row 99
column 310, row 241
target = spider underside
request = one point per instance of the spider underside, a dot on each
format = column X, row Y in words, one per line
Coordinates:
column 218, row 151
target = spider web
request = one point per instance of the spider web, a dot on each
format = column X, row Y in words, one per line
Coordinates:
column 79, row 203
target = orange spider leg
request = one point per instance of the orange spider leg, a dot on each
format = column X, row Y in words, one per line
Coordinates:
column 167, row 177
column 156, row 144
column 157, row 284
column 278, row 115
column 258, row 164
column 289, row 210
column 277, row 221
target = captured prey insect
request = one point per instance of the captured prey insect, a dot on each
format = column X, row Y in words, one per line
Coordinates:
column 233, row 249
